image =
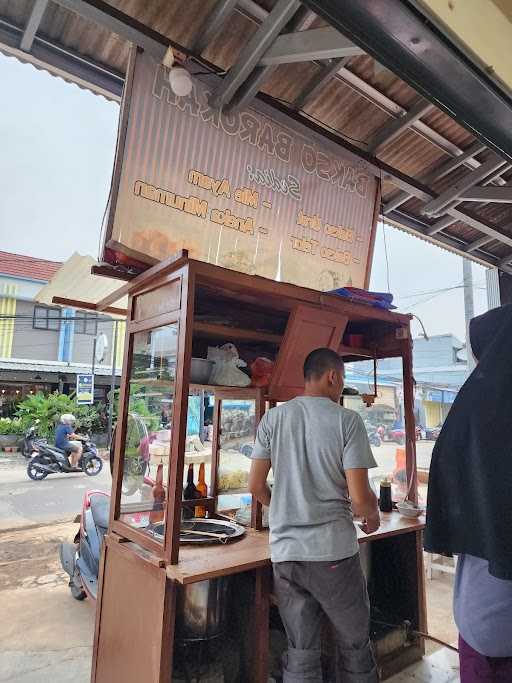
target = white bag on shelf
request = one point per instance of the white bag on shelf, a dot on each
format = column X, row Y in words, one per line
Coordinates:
column 226, row 366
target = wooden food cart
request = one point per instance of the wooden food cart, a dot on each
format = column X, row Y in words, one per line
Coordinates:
column 176, row 310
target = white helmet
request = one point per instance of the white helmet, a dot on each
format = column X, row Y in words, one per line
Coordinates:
column 67, row 419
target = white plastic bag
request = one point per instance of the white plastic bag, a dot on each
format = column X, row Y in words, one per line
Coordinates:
column 226, row 366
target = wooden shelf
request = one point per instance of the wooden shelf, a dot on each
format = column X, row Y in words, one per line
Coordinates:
column 234, row 492
column 354, row 351
column 228, row 333
column 169, row 384
column 198, row 502
column 148, row 505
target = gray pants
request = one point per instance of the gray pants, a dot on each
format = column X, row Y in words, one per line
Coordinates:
column 306, row 591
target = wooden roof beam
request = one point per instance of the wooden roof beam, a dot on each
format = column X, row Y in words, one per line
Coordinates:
column 87, row 305
column 145, row 277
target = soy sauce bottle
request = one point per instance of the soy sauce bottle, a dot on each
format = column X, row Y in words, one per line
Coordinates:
column 385, row 499
column 190, row 491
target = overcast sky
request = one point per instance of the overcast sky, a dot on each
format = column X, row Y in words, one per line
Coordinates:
column 57, row 150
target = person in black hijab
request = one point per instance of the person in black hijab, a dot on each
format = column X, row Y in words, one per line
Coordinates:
column 469, row 511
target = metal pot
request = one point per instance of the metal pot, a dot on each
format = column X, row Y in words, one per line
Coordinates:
column 202, row 608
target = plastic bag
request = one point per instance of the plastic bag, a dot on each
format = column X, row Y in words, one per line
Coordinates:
column 261, row 371
column 226, row 370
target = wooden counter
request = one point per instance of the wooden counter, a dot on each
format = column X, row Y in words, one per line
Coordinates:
column 199, row 562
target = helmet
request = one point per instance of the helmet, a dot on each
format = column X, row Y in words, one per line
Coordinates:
column 67, row 419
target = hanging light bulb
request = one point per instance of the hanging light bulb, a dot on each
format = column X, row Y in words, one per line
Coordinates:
column 180, row 81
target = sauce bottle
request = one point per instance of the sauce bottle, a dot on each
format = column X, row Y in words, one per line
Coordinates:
column 385, row 499
column 190, row 492
column 200, row 510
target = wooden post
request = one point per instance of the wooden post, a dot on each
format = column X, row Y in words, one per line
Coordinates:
column 214, row 481
column 256, row 507
column 122, row 413
column 179, row 418
column 260, row 626
column 410, row 424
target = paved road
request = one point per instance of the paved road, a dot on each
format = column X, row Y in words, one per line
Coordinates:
column 25, row 502
column 59, row 497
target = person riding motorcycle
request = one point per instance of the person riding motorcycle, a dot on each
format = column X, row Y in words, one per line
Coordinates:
column 67, row 440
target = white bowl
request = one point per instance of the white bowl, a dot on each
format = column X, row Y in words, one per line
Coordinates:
column 407, row 510
column 200, row 370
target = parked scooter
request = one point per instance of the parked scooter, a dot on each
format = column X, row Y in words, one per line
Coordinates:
column 31, row 442
column 374, row 438
column 81, row 559
column 52, row 460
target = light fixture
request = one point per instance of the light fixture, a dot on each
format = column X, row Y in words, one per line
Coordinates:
column 179, row 78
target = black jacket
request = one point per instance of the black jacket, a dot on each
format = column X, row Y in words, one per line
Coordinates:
column 469, row 507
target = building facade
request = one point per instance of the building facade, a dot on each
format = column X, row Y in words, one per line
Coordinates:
column 440, row 369
column 42, row 347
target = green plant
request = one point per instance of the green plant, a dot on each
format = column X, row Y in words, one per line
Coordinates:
column 10, row 426
column 48, row 409
column 139, row 405
column 91, row 419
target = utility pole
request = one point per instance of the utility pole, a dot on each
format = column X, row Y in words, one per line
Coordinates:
column 469, row 308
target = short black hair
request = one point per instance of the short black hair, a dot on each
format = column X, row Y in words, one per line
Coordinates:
column 320, row 361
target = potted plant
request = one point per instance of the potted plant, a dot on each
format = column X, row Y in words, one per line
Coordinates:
column 10, row 431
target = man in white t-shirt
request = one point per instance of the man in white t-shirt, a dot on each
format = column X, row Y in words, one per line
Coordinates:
column 320, row 456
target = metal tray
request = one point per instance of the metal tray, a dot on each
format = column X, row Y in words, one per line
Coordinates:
column 217, row 526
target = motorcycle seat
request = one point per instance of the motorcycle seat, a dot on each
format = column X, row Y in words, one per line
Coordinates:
column 100, row 508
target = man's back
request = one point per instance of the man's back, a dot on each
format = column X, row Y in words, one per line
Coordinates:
column 311, row 441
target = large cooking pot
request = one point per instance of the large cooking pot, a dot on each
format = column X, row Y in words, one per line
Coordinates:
column 202, row 608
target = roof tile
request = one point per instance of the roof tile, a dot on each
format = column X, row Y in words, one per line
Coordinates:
column 18, row 265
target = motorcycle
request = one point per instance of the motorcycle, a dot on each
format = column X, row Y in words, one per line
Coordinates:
column 31, row 442
column 81, row 559
column 52, row 460
column 374, row 439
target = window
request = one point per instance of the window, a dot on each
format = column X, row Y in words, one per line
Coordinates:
column 86, row 323
column 46, row 318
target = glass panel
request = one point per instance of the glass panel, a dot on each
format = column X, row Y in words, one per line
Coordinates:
column 198, row 449
column 385, row 426
column 238, row 427
column 91, row 324
column 54, row 319
column 40, row 321
column 79, row 322
column 148, row 434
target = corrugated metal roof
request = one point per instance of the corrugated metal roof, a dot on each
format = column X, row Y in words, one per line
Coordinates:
column 27, row 364
column 75, row 281
column 19, row 265
column 362, row 97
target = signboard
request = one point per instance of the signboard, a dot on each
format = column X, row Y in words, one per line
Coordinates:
column 84, row 389
column 249, row 190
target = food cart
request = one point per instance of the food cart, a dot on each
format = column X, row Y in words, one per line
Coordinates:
column 162, row 603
